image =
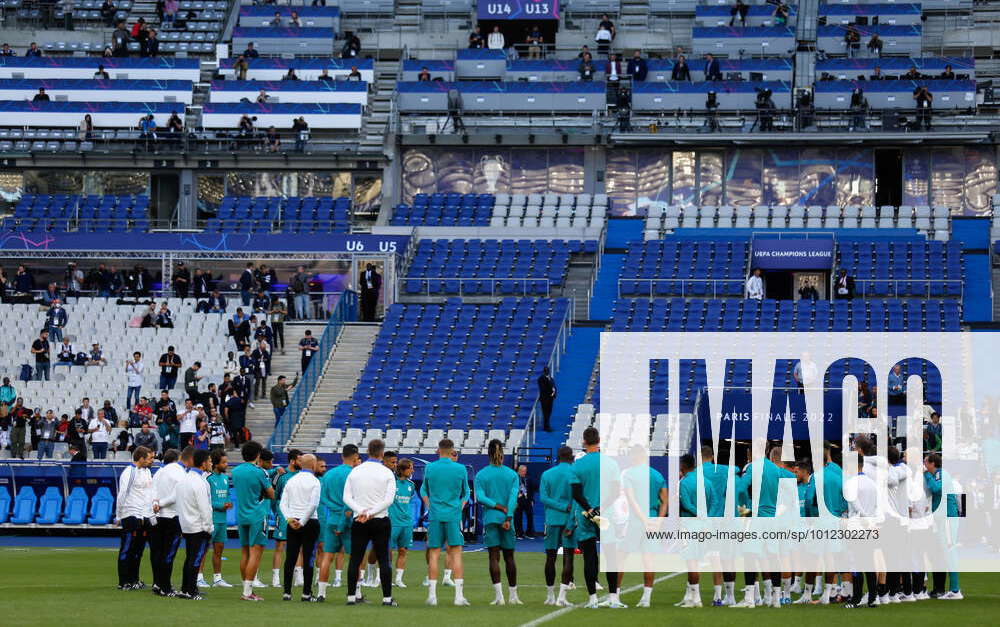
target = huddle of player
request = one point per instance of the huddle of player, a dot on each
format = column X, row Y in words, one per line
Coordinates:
column 896, row 512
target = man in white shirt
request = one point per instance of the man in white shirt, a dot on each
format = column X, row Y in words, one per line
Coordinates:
column 194, row 508
column 134, row 512
column 100, row 434
column 898, row 511
column 133, row 375
column 188, row 419
column 864, row 505
column 299, row 506
column 166, row 537
column 755, row 285
column 369, row 491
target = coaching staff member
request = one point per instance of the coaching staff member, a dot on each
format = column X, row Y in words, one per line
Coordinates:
column 369, row 491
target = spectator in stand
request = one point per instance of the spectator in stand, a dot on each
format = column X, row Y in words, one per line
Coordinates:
column 47, row 435
column 637, row 67
column 108, row 52
column 134, row 369
column 235, row 415
column 496, row 39
column 150, row 44
column 33, row 51
column 182, row 280
column 875, row 45
column 308, row 346
column 108, row 12
column 141, row 413
column 912, row 74
column 713, row 71
column 165, row 408
column 300, row 129
column 246, row 284
column 169, row 435
column 191, row 379
column 584, row 50
column 613, row 68
column 250, row 52
column 201, row 435
column 34, row 424
column 276, row 20
column 603, row 39
column 272, row 140
column 248, row 370
column 170, row 366
column 96, row 356
column 755, row 285
column 170, row 8
column 217, row 434
column 19, row 417
column 586, row 68
column 277, row 317
column 924, row 100
column 262, row 359
column 24, row 280
column 101, row 74
column 279, row 396
column 263, row 332
column 739, row 12
column 7, row 51
column 240, row 67
column 680, row 71
column 948, row 74
column 325, row 76
column 65, row 355
column 138, row 28
column 50, row 294
column 262, row 97
column 300, row 289
column 100, row 435
column 354, row 74
column 147, row 129
column 476, row 38
column 164, row 317
column 200, row 284
column 876, row 74
column 41, row 96
column 852, row 40
column 40, row 349
column 216, row 303
column 534, row 40
column 148, row 438
column 843, row 286
column 294, row 20
column 110, row 412
column 352, row 45
column 424, row 76
column 780, row 14
column 187, row 418
column 86, row 129
column 55, row 321
column 7, row 393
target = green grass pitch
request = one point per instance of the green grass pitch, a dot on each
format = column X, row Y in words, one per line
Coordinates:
column 76, row 587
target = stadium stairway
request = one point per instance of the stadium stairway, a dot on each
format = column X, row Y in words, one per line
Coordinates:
column 995, row 277
column 602, row 301
column 572, row 381
column 260, row 418
column 340, row 376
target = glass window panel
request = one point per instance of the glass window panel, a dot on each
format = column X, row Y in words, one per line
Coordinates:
column 710, row 169
column 743, row 181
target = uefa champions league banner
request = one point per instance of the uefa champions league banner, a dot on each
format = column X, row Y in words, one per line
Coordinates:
column 792, row 254
column 518, row 10
column 905, row 488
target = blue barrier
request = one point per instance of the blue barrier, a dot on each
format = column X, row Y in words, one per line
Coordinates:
column 346, row 310
column 264, row 33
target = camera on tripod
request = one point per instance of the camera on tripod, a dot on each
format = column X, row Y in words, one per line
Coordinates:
column 764, row 100
column 712, row 102
column 765, row 109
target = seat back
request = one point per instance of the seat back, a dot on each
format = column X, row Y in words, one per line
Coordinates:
column 24, row 506
column 75, row 512
column 4, row 504
column 101, row 507
column 50, row 506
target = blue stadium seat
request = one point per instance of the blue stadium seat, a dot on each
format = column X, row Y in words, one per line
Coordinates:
column 75, row 512
column 50, row 506
column 4, row 504
column 25, row 506
column 101, row 507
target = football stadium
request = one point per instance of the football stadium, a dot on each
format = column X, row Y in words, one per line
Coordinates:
column 499, row 312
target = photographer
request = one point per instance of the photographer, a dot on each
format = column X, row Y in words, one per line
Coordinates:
column 805, row 111
column 765, row 110
column 712, row 106
column 852, row 41
column 738, row 12
column 586, row 69
column 246, row 131
column 925, row 104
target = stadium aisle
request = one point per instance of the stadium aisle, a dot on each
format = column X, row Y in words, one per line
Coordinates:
column 571, row 382
column 606, row 286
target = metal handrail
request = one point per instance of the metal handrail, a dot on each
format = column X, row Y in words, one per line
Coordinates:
column 346, row 310
column 494, row 285
column 685, row 289
column 562, row 338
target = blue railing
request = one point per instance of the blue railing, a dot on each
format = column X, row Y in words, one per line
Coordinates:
column 346, row 310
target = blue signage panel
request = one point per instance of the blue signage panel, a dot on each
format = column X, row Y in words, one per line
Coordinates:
column 518, row 9
column 793, row 254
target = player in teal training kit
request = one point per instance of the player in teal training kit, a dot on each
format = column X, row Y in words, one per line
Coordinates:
column 253, row 491
column 445, row 490
column 556, row 493
column 218, row 482
column 716, row 487
column 401, row 517
column 639, row 473
column 280, row 533
column 588, row 474
column 335, row 530
column 496, row 491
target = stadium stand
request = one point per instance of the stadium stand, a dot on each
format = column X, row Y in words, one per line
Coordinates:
column 62, row 212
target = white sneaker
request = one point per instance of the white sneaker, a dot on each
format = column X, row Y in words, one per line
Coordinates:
column 297, row 580
column 951, row 596
column 496, row 601
column 337, row 583
column 572, row 585
column 563, row 603
column 617, row 605
column 549, row 601
column 221, row 583
column 923, row 596
column 877, row 602
column 599, row 586
column 514, row 601
column 907, row 598
column 824, row 600
column 399, row 583
column 202, row 583
column 432, row 601
column 642, row 603
column 884, row 600
column 796, row 587
column 257, row 583
column 728, row 602
column 693, row 602
column 426, row 582
column 276, row 581
column 746, row 603
column 448, row 582
column 805, row 598
column 775, row 602
column 462, row 602
column 682, row 601
column 592, row 605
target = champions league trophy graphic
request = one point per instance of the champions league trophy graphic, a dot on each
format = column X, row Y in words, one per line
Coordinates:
column 492, row 167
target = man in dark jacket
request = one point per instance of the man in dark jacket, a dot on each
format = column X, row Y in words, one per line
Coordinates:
column 371, row 288
column 637, row 67
column 246, row 284
column 546, row 395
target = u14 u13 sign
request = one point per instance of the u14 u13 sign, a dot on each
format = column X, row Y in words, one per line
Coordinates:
column 518, row 9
